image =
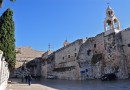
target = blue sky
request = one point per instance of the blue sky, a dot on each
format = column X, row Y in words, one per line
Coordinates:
column 40, row 22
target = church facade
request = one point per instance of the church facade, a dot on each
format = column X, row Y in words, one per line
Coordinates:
column 107, row 52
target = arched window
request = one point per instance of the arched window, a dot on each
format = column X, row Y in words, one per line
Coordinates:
column 116, row 25
column 108, row 25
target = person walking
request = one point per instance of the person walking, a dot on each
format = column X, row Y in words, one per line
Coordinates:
column 29, row 80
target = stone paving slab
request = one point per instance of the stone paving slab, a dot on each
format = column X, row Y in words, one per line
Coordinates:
column 27, row 87
column 17, row 85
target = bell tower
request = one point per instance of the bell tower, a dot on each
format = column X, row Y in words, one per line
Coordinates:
column 111, row 23
column 114, row 57
column 65, row 43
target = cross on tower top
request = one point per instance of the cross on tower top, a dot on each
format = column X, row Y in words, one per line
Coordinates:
column 108, row 2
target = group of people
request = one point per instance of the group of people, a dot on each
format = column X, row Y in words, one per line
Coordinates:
column 28, row 79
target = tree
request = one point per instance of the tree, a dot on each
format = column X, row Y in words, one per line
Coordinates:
column 7, row 37
column 1, row 2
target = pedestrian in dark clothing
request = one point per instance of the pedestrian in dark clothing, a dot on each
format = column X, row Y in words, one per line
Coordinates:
column 29, row 80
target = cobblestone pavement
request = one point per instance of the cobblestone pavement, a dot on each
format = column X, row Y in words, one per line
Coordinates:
column 71, row 85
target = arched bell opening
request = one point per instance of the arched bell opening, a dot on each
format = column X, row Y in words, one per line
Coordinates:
column 116, row 24
column 108, row 25
column 110, row 13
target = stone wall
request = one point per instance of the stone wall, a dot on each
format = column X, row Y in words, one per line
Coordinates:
column 93, row 58
column 105, row 54
column 47, row 64
column 68, row 52
column 115, row 59
column 126, row 46
column 90, row 57
column 63, row 62
column 44, row 69
column 66, row 66
column 34, row 67
column 4, row 72
column 24, row 55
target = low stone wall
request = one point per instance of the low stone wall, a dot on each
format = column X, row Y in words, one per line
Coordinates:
column 3, row 85
column 4, row 72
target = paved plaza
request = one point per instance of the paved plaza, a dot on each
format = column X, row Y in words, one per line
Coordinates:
column 16, row 84
column 47, row 84
column 26, row 87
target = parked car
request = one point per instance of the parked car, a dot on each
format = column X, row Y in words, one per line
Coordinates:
column 51, row 77
column 107, row 77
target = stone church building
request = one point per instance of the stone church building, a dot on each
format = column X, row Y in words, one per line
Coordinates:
column 107, row 52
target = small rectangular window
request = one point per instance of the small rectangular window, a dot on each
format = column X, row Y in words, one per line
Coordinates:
column 88, row 52
column 63, row 58
column 75, row 54
column 94, row 45
column 128, row 45
column 68, row 56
